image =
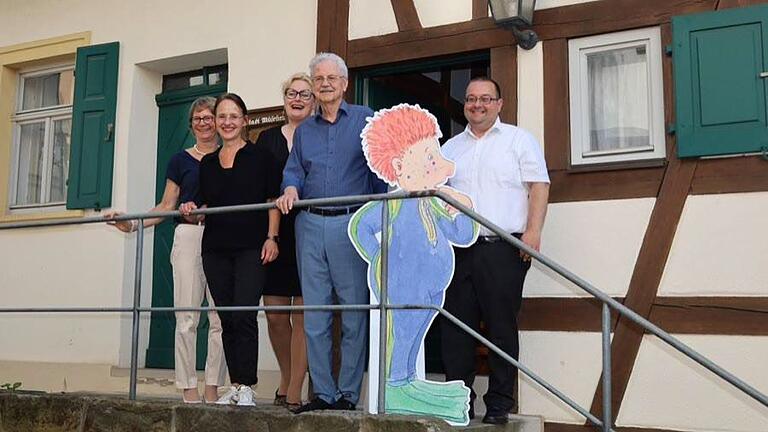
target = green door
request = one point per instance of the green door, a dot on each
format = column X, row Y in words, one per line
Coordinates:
column 173, row 136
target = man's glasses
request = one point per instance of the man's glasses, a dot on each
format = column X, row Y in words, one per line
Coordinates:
column 221, row 118
column 484, row 100
column 304, row 95
column 332, row 79
column 203, row 119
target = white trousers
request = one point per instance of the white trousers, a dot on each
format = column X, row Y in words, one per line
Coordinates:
column 189, row 287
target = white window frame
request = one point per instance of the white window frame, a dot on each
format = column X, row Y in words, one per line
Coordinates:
column 21, row 117
column 578, row 50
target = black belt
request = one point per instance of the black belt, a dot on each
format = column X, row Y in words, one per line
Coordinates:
column 333, row 211
column 494, row 238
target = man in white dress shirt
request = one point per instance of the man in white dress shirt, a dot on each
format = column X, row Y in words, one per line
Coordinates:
column 502, row 168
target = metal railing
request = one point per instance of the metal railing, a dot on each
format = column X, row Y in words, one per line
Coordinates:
column 608, row 303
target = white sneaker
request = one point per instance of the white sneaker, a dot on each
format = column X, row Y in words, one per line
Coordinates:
column 229, row 398
column 245, row 396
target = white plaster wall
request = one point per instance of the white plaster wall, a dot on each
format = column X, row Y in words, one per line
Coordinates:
column 569, row 361
column 530, row 91
column 721, row 247
column 548, row 4
column 671, row 391
column 371, row 18
column 36, row 271
column 435, row 13
column 597, row 240
column 264, row 42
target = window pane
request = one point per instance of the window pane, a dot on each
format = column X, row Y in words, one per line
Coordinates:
column 618, row 99
column 30, row 172
column 48, row 90
column 60, row 160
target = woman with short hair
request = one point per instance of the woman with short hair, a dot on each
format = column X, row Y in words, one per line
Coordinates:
column 189, row 283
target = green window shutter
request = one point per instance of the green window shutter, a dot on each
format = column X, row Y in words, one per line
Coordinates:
column 93, row 127
column 720, row 97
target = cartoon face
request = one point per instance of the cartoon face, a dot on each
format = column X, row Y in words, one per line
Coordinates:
column 423, row 166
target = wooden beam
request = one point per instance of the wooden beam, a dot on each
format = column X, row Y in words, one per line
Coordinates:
column 482, row 33
column 746, row 316
column 557, row 135
column 646, row 276
column 333, row 26
column 712, row 315
column 479, row 9
column 562, row 314
column 728, row 4
column 729, row 175
column 428, row 42
column 611, row 15
column 406, row 15
column 569, row 186
column 504, row 71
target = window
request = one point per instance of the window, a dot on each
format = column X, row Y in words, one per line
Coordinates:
column 42, row 126
column 616, row 97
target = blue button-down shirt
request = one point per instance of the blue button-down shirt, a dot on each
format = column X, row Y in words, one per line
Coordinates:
column 327, row 159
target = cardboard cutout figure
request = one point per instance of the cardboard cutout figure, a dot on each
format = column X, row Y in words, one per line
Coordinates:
column 402, row 148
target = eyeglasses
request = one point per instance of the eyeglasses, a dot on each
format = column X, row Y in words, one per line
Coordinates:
column 221, row 118
column 203, row 119
column 332, row 79
column 304, row 95
column 484, row 100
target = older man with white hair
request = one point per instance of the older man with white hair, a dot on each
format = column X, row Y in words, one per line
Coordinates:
column 327, row 161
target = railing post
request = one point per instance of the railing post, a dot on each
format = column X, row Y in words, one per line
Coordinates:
column 383, row 303
column 607, row 416
column 135, row 314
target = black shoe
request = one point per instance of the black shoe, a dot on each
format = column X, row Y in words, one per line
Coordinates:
column 313, row 405
column 495, row 417
column 343, row 405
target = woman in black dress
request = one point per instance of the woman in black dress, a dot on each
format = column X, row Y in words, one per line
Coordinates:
column 237, row 246
column 286, row 329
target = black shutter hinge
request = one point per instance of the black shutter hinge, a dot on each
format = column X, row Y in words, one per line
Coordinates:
column 668, row 50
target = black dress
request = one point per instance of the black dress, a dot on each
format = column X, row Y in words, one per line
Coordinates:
column 282, row 274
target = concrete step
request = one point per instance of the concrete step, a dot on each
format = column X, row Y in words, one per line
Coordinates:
column 517, row 423
column 21, row 411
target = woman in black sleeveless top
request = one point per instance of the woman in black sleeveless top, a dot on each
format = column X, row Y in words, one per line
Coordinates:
column 286, row 330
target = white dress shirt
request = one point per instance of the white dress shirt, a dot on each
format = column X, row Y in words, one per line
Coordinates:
column 496, row 170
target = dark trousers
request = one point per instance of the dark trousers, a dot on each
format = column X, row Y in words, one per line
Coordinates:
column 487, row 285
column 237, row 278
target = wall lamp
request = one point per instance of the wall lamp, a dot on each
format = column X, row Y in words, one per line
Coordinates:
column 516, row 15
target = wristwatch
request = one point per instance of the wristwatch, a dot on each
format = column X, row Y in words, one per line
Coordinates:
column 274, row 238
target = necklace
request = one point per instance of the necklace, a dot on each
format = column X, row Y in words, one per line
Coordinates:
column 197, row 150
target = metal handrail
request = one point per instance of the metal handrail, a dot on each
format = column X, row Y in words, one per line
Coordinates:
column 383, row 305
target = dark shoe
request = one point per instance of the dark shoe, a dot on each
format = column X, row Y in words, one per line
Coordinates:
column 495, row 417
column 343, row 404
column 280, row 400
column 315, row 404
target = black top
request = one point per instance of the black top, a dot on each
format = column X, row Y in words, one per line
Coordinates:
column 253, row 178
column 184, row 170
column 282, row 274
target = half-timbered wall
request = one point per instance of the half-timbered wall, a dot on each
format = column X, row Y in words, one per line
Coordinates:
column 680, row 242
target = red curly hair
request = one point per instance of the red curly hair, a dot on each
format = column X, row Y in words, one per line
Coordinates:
column 392, row 131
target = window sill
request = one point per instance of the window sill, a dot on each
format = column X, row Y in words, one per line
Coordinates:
column 28, row 217
column 616, row 166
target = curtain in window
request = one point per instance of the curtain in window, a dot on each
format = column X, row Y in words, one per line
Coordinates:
column 618, row 99
column 31, row 155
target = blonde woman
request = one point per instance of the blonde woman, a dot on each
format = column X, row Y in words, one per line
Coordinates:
column 286, row 329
